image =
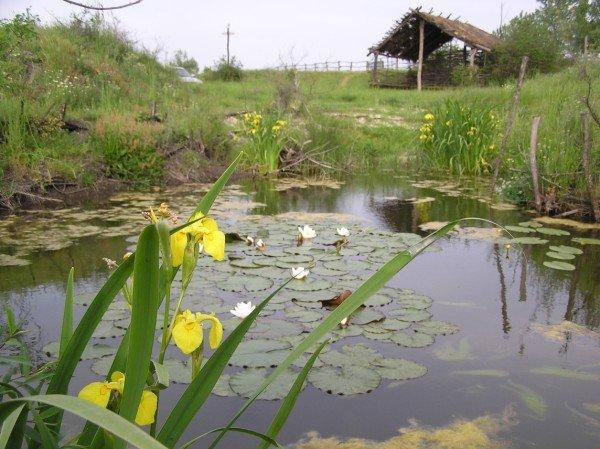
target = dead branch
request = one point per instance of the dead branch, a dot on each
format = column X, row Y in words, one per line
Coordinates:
column 103, row 8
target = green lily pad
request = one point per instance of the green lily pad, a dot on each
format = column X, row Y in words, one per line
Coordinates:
column 566, row 250
column 395, row 324
column 528, row 241
column 552, row 231
column 410, row 314
column 348, row 380
column 290, row 261
column 303, row 315
column 412, row 339
column 399, row 369
column 306, row 285
column 246, row 382
column 556, row 265
column 107, row 329
column 243, row 263
column 378, row 300
column 348, row 265
column 435, row 327
column 260, row 353
column 274, row 328
column 222, row 387
column 531, row 224
column 359, row 355
column 246, row 282
column 179, row 372
column 560, row 256
column 365, row 316
column 414, row 301
column 586, row 241
column 91, row 352
column 524, row 230
column 101, row 366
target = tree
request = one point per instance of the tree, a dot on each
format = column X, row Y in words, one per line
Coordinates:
column 572, row 21
column 181, row 59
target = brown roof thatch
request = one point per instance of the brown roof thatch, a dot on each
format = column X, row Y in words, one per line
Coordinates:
column 402, row 41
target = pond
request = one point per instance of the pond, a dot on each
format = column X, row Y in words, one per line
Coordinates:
column 472, row 343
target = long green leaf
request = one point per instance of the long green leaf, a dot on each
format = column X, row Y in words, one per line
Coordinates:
column 290, row 400
column 198, row 391
column 353, row 302
column 144, row 305
column 67, row 321
column 46, row 438
column 102, row 417
column 8, row 425
column 267, row 439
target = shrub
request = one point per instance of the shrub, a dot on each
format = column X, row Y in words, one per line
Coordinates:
column 459, row 139
column 525, row 35
column 225, row 70
column 129, row 149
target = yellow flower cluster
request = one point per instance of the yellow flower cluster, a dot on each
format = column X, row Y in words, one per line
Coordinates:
column 252, row 122
column 426, row 132
column 429, row 117
column 205, row 232
column 278, row 126
column 100, row 393
column 188, row 331
column 472, row 131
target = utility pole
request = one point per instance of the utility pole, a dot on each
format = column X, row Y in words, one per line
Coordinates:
column 501, row 13
column 228, row 33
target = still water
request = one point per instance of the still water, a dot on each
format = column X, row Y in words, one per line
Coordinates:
column 508, row 358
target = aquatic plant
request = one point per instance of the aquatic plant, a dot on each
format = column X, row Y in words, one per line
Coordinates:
column 265, row 136
column 130, row 393
column 459, row 139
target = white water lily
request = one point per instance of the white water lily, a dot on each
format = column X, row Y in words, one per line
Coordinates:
column 243, row 309
column 249, row 240
column 307, row 232
column 344, row 232
column 260, row 244
column 344, row 322
column 299, row 272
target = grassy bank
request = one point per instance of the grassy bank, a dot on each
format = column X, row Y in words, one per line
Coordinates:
column 108, row 87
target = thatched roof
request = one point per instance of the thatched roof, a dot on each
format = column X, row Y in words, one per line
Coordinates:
column 402, row 41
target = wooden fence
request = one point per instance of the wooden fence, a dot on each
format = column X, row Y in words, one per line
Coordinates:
column 346, row 66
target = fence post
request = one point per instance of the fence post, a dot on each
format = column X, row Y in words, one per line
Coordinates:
column 326, row 66
column 421, row 54
column 375, row 64
column 537, row 195
column 350, row 65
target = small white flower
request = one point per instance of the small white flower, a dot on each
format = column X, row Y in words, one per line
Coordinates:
column 344, row 232
column 344, row 322
column 249, row 240
column 260, row 244
column 307, row 232
column 299, row 272
column 243, row 309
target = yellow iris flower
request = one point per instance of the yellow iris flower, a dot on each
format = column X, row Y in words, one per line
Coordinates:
column 99, row 393
column 207, row 233
column 187, row 331
column 178, row 244
column 429, row 117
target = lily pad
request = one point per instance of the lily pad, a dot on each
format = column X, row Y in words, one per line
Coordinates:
column 560, row 256
column 521, row 229
column 303, row 316
column 399, row 369
column 94, row 351
column 348, row 380
column 435, row 327
column 528, row 241
column 556, row 265
column 107, row 329
column 101, row 366
column 586, row 241
column 246, row 382
column 222, row 387
column 246, row 282
column 395, row 324
column 553, row 231
column 179, row 372
column 566, row 250
column 359, row 355
column 378, row 300
column 412, row 339
column 306, row 285
column 414, row 301
column 365, row 316
column 410, row 314
column 531, row 224
column 260, row 353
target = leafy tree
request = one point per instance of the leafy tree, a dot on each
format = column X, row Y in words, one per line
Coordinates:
column 571, row 21
column 181, row 59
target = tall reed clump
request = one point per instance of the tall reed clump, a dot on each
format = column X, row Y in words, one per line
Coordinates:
column 265, row 138
column 459, row 139
column 117, row 407
column 129, row 148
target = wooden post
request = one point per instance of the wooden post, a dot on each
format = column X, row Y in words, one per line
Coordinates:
column 350, row 65
column 533, row 167
column 472, row 55
column 421, row 54
column 339, row 66
column 585, row 157
column 326, row 66
column 509, row 126
column 375, row 64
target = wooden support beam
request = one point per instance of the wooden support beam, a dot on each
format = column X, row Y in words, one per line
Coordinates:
column 472, row 55
column 375, row 81
column 421, row 54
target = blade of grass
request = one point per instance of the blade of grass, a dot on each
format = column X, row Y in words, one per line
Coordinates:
column 290, row 400
column 67, row 321
column 268, row 440
column 102, row 417
column 353, row 302
column 8, row 424
column 46, row 438
column 198, row 391
column 143, row 322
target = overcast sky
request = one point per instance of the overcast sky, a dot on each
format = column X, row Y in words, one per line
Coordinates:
column 270, row 31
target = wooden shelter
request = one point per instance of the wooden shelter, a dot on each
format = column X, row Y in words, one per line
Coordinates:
column 419, row 34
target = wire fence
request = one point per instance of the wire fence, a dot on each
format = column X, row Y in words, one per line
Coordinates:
column 346, row 66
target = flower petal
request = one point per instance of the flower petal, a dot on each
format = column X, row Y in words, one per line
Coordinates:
column 96, row 392
column 187, row 335
column 146, row 409
column 214, row 244
column 178, row 244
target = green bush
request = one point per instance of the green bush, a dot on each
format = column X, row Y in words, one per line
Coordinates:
column 225, row 70
column 264, row 140
column 525, row 35
column 459, row 139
